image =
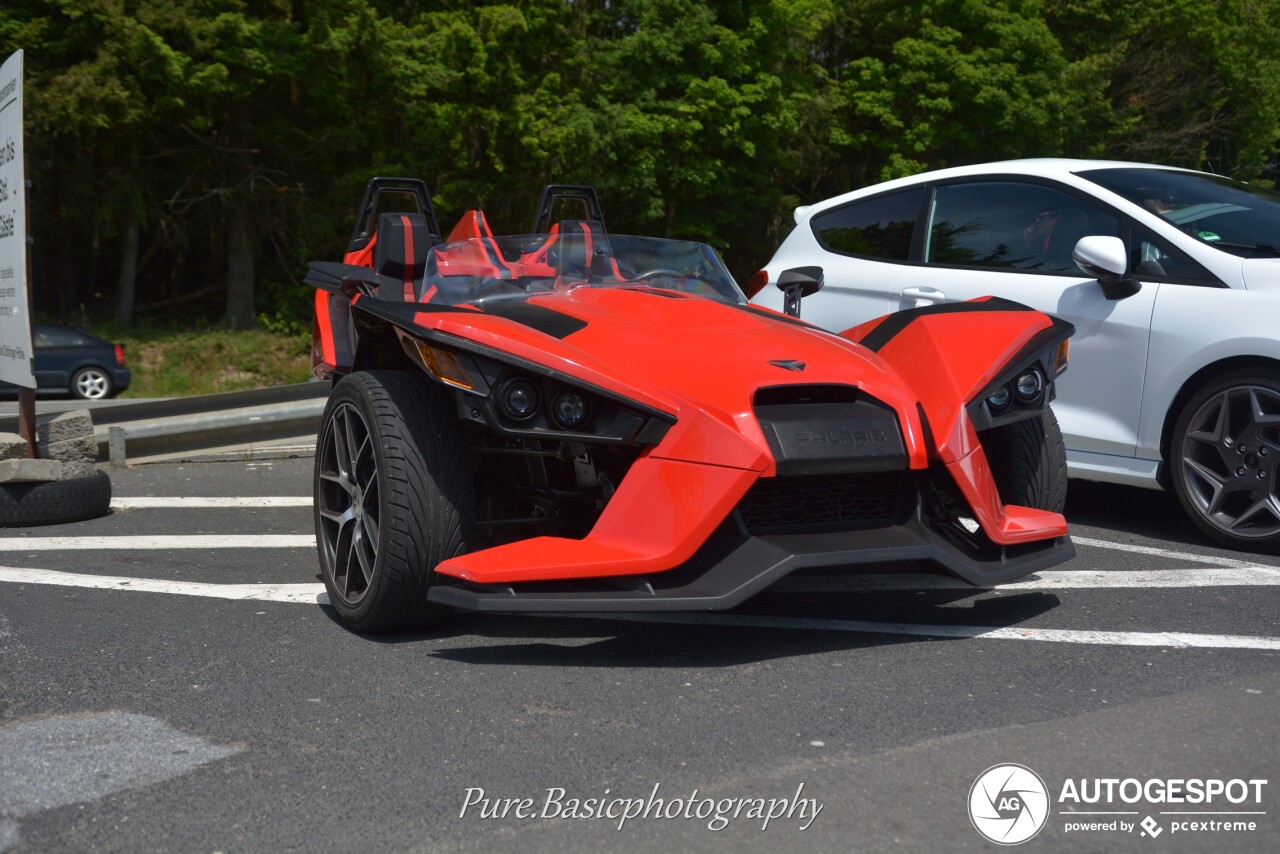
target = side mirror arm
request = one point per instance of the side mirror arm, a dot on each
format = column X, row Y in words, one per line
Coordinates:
column 797, row 283
column 1119, row 287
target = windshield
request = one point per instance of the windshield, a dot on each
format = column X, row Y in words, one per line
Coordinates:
column 472, row 271
column 1233, row 216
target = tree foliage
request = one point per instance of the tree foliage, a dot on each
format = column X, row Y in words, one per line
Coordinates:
column 190, row 155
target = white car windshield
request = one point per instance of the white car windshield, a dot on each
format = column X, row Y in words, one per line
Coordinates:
column 485, row 268
column 1230, row 215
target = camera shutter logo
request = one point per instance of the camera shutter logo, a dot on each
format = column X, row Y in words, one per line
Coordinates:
column 1008, row 804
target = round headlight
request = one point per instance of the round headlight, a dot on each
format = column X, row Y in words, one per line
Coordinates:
column 518, row 399
column 1029, row 385
column 569, row 409
column 999, row 398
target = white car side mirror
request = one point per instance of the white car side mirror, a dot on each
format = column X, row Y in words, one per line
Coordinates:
column 1105, row 259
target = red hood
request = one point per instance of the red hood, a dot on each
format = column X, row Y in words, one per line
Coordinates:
column 683, row 353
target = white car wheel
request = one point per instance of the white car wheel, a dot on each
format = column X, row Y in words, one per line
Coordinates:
column 91, row 384
column 1225, row 457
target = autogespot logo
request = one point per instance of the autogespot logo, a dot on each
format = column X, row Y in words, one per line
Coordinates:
column 1008, row 804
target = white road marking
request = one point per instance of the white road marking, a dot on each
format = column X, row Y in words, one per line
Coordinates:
column 153, row 502
column 313, row 594
column 1252, row 576
column 1239, row 574
column 1161, row 639
column 266, row 501
column 159, row 541
column 262, row 501
column 1224, row 572
column 1149, row 550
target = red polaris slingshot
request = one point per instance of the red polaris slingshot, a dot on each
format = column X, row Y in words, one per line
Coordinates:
column 577, row 420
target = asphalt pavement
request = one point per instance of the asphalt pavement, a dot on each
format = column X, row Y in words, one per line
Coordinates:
column 171, row 679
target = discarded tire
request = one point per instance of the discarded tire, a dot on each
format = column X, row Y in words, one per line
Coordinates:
column 55, row 502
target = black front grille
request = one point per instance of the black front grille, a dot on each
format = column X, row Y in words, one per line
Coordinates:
column 827, row 502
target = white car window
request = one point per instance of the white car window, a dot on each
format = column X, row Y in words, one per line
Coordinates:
column 1153, row 258
column 1242, row 219
column 1011, row 225
column 874, row 228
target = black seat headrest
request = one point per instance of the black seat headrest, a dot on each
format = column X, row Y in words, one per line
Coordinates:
column 403, row 240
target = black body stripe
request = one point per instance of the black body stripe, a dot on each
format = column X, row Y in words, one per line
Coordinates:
column 545, row 320
column 895, row 323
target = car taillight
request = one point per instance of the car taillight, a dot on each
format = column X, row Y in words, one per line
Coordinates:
column 120, row 355
column 756, row 283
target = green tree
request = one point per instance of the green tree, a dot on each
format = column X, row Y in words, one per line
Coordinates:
column 99, row 85
column 933, row 83
column 193, row 154
column 1195, row 84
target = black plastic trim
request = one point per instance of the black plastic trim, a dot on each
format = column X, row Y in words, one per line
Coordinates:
column 733, row 566
column 332, row 276
column 1039, row 352
column 400, row 315
column 363, row 232
column 665, row 419
column 554, row 192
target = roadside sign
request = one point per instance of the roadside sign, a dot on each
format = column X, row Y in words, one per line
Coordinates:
column 16, row 353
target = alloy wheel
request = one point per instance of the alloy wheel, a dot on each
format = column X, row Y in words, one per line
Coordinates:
column 1229, row 458
column 92, row 384
column 348, row 501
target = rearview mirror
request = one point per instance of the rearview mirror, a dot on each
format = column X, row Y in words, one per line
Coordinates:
column 338, row 278
column 797, row 283
column 361, row 281
column 1105, row 259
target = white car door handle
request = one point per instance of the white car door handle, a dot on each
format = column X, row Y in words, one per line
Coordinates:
column 923, row 296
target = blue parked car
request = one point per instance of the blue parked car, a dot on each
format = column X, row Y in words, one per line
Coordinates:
column 69, row 359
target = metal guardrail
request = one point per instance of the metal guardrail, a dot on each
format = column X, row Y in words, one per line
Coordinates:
column 208, row 429
column 184, row 424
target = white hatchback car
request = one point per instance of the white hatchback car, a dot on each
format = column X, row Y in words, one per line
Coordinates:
column 1175, row 364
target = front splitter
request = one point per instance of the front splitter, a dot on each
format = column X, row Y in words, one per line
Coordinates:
column 734, row 565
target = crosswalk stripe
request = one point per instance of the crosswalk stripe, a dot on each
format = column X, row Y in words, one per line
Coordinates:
column 159, row 541
column 305, row 593
column 313, row 594
column 1243, row 575
column 247, row 501
column 1105, row 638
column 1251, row 576
column 1215, row 560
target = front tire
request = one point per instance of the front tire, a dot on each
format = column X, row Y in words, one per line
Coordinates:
column 1028, row 460
column 1224, row 458
column 393, row 498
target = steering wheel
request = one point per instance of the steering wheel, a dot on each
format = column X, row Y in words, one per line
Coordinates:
column 660, row 272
